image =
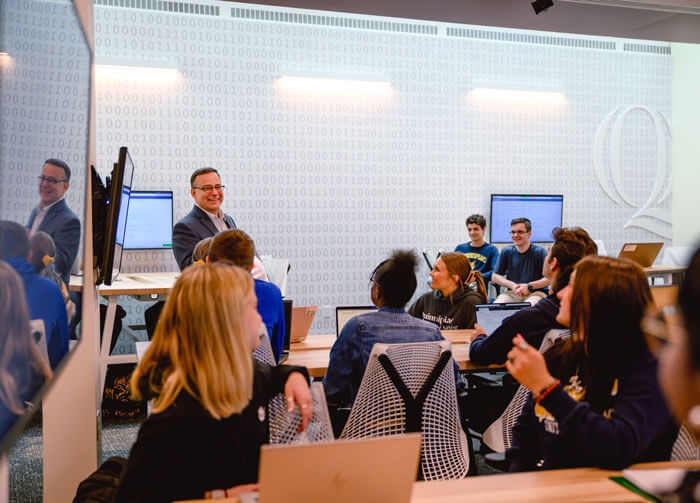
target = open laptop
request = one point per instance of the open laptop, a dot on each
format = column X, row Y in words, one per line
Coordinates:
column 642, row 253
column 378, row 470
column 490, row 316
column 344, row 313
column 302, row 318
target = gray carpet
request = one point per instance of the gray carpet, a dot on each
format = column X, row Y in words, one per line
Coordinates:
column 25, row 457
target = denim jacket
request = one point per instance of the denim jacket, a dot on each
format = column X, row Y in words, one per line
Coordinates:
column 350, row 353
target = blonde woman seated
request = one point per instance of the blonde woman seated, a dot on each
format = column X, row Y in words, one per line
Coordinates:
column 457, row 289
column 209, row 412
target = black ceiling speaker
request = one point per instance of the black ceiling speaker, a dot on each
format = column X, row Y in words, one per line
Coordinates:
column 541, row 6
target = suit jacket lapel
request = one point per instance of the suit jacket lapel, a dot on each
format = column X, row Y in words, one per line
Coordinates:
column 205, row 220
column 51, row 214
column 32, row 216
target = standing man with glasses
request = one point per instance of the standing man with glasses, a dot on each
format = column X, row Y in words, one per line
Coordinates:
column 206, row 218
column 54, row 217
column 520, row 267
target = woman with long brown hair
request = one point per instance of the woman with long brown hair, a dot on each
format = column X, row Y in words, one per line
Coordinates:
column 457, row 289
column 596, row 400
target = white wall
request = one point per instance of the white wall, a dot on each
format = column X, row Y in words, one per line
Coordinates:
column 334, row 182
column 686, row 147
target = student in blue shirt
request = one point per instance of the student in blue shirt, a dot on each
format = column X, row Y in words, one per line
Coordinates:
column 236, row 247
column 43, row 296
column 392, row 285
column 482, row 255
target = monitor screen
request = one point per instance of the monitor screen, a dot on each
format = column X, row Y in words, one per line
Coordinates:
column 545, row 213
column 116, row 215
column 150, row 222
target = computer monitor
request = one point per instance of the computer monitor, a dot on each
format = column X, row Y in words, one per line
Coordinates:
column 150, row 222
column 544, row 211
column 110, row 206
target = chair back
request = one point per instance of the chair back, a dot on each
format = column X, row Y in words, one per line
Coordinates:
column 284, row 424
column 411, row 387
column 39, row 338
column 277, row 271
column 685, row 448
column 499, row 435
column 264, row 352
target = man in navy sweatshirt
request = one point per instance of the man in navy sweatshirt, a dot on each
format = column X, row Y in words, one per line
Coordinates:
column 482, row 255
column 570, row 245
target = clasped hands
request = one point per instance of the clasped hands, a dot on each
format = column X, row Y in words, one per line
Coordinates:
column 521, row 289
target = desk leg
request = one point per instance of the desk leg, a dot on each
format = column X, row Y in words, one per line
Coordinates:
column 107, row 334
column 4, row 480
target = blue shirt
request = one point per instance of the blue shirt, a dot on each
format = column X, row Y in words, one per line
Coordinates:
column 350, row 353
column 45, row 302
column 482, row 258
column 271, row 310
column 522, row 267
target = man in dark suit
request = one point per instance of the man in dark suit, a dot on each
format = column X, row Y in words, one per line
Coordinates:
column 54, row 217
column 206, row 218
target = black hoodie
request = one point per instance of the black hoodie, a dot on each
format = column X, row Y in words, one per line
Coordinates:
column 449, row 313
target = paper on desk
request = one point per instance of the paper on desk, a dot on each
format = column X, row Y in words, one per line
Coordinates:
column 656, row 481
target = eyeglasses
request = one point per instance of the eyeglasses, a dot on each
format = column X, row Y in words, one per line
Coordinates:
column 513, row 233
column 208, row 188
column 372, row 281
column 50, row 179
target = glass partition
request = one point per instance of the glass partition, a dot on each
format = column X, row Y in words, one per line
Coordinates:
column 44, row 111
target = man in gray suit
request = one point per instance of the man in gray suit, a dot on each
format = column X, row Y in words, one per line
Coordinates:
column 206, row 218
column 54, row 217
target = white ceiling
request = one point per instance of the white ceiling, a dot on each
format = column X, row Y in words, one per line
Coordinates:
column 667, row 20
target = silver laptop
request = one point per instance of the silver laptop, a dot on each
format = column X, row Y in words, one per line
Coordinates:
column 490, row 316
column 378, row 470
column 642, row 253
column 344, row 313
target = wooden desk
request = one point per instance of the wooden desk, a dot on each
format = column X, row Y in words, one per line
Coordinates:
column 313, row 353
column 675, row 271
column 316, row 360
column 578, row 485
column 143, row 286
column 326, row 341
column 573, row 485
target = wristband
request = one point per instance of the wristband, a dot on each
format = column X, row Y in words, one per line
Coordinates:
column 529, row 288
column 540, row 396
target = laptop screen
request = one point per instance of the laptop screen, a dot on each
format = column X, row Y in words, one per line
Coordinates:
column 287, row 323
column 490, row 316
column 344, row 313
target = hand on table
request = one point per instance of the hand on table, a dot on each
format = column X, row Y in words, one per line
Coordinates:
column 477, row 331
column 296, row 389
column 527, row 366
